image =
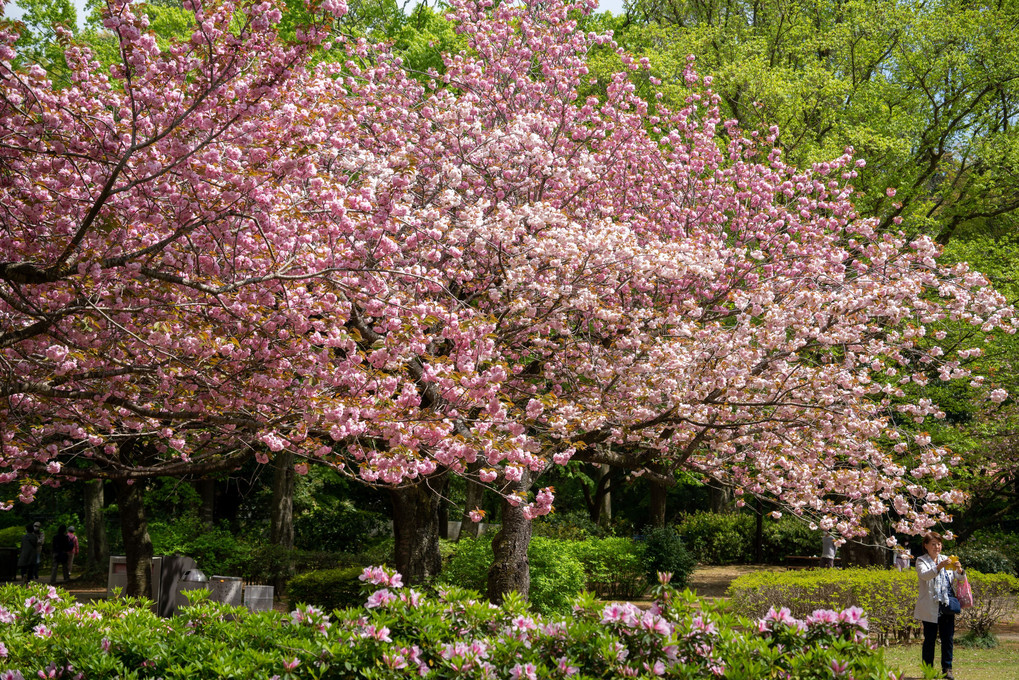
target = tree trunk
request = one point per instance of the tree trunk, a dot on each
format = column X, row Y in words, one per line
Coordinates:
column 720, row 499
column 475, row 494
column 96, row 548
column 866, row 552
column 137, row 544
column 605, row 503
column 281, row 531
column 759, row 534
column 206, row 489
column 416, row 530
column 510, row 569
column 658, row 494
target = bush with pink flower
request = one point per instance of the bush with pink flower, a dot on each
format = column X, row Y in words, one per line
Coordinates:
column 452, row 633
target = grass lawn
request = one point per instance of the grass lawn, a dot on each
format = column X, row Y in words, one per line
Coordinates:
column 1000, row 663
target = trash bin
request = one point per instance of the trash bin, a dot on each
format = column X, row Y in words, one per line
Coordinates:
column 258, row 598
column 226, row 589
column 192, row 579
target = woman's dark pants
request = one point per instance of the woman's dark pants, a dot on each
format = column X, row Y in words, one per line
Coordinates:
column 945, row 628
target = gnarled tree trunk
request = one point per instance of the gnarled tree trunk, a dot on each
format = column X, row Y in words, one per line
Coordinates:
column 137, row 543
column 416, row 530
column 510, row 569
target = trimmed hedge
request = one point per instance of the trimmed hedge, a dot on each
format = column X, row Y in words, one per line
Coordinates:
column 887, row 596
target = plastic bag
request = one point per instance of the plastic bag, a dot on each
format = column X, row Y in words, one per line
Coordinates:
column 964, row 593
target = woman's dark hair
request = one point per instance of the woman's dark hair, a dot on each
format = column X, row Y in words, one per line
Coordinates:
column 932, row 536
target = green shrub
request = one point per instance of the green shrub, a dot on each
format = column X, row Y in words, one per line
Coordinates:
column 1005, row 542
column 984, row 559
column 46, row 634
column 340, row 527
column 788, row 536
column 613, row 567
column 329, row 589
column 575, row 525
column 469, row 563
column 664, row 551
column 887, row 596
column 556, row 575
column 715, row 538
column 11, row 537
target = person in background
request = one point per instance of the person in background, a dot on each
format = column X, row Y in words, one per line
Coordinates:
column 38, row 550
column 61, row 546
column 935, row 574
column 73, row 552
column 29, row 546
column 827, row 552
column 902, row 559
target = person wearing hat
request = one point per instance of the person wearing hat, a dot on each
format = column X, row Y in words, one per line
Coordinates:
column 31, row 544
column 73, row 547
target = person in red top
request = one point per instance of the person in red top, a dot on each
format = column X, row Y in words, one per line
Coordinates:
column 73, row 550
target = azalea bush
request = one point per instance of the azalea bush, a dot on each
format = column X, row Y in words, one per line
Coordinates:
column 401, row 633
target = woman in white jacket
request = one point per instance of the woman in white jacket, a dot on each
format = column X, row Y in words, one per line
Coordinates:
column 935, row 580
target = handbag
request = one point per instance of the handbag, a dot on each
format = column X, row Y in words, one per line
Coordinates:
column 953, row 607
column 964, row 593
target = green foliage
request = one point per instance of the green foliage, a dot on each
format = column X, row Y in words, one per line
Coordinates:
column 468, row 566
column 411, row 635
column 337, row 524
column 986, row 560
column 329, row 588
column 664, row 551
column 717, row 538
column 215, row 549
column 1004, row 542
column 887, row 596
column 974, row 640
column 571, row 525
column 788, row 536
column 728, row 538
column 11, row 537
column 556, row 575
column 613, row 567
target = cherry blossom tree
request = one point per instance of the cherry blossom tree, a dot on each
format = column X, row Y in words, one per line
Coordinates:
column 486, row 269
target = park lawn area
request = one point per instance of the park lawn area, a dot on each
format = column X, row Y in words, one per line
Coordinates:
column 1000, row 663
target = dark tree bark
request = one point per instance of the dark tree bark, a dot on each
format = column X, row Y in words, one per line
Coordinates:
column 97, row 549
column 137, row 543
column 870, row 554
column 206, row 489
column 416, row 530
column 759, row 534
column 282, row 524
column 720, row 499
column 281, row 529
column 510, row 569
column 658, row 494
